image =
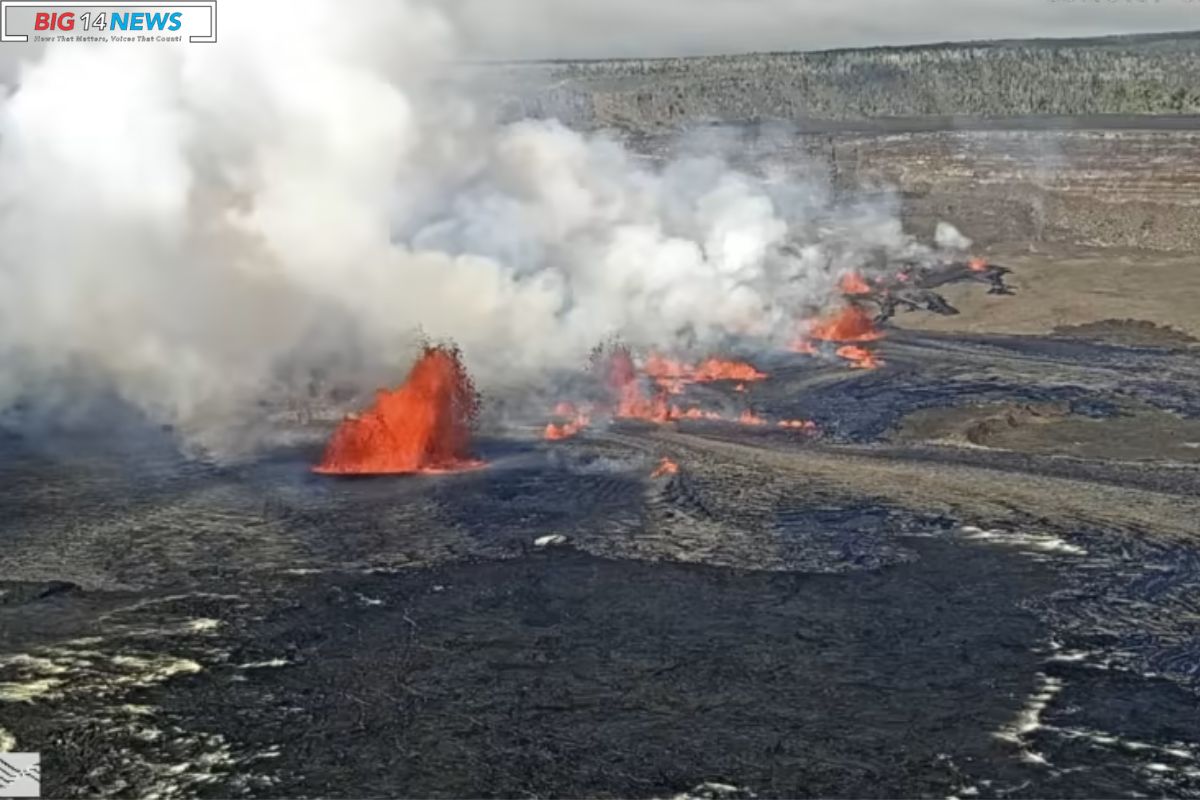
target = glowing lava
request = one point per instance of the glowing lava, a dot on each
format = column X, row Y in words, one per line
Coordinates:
column 672, row 375
column 798, row 424
column 423, row 426
column 697, row 413
column 977, row 265
column 853, row 283
column 632, row 400
column 748, row 417
column 859, row 357
column 850, row 324
column 645, row 394
column 665, row 467
column 716, row 369
column 575, row 420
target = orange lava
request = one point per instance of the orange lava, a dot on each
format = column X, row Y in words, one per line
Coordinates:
column 635, row 404
column 672, row 375
column 574, row 422
column 657, row 367
column 977, row 264
column 631, row 400
column 646, row 394
column 566, row 430
column 717, row 369
column 859, row 357
column 803, row 345
column 423, row 426
column 853, row 283
column 798, row 424
column 850, row 324
column 748, row 417
column 665, row 467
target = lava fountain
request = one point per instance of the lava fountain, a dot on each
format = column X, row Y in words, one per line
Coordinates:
column 423, row 426
column 850, row 324
column 853, row 284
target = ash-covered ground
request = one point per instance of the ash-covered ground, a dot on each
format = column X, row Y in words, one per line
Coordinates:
column 977, row 577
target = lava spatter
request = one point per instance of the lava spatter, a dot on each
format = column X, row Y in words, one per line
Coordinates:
column 422, row 426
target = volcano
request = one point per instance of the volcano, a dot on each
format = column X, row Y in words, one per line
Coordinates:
column 423, row 426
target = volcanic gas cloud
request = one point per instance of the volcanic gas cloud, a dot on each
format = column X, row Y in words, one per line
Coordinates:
column 423, row 426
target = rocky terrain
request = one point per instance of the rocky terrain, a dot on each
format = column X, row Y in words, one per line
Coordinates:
column 1147, row 74
column 974, row 575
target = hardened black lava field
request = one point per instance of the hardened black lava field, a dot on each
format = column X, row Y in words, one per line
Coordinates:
column 976, row 574
column 918, row 599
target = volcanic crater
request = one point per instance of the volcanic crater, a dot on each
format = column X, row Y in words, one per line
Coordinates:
column 967, row 567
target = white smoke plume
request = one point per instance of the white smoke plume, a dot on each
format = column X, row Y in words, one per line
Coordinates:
column 948, row 237
column 202, row 228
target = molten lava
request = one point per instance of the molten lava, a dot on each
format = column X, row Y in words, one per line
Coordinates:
column 748, row 417
column 646, row 394
column 977, row 265
column 423, row 426
column 567, row 429
column 672, row 375
column 716, row 369
column 798, row 424
column 575, row 421
column 631, row 400
column 859, row 357
column 696, row 413
column 665, row 467
column 853, row 283
column 850, row 324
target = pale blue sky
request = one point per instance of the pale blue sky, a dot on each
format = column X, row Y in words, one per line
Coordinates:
column 598, row 28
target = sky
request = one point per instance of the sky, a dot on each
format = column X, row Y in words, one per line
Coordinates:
column 522, row 29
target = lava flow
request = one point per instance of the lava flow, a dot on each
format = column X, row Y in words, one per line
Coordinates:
column 665, row 467
column 853, row 283
column 632, row 401
column 646, row 394
column 423, row 426
column 576, row 421
column 850, row 324
column 673, row 375
column 748, row 417
column 859, row 357
column 716, row 369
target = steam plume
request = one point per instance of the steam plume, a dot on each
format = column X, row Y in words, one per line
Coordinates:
column 240, row 217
